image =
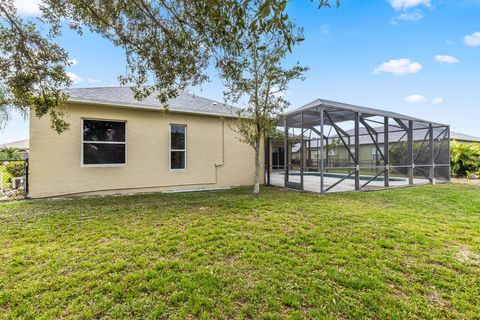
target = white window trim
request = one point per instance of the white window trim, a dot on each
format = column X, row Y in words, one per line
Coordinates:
column 104, row 165
column 170, row 147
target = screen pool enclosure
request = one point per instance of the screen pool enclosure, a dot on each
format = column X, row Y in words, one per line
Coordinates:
column 328, row 146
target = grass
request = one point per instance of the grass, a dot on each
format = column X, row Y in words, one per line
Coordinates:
column 406, row 253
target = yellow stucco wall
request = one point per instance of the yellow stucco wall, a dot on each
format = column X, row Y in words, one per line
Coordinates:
column 215, row 157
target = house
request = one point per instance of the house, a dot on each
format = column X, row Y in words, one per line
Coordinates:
column 368, row 150
column 116, row 144
column 369, row 154
column 464, row 138
column 21, row 145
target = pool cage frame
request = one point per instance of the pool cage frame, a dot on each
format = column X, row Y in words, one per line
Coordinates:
column 326, row 146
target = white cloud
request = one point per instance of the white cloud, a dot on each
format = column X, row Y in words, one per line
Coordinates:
column 438, row 100
column 93, row 80
column 473, row 39
column 415, row 98
column 450, row 42
column 446, row 59
column 407, row 4
column 412, row 16
column 75, row 78
column 325, row 30
column 27, row 7
column 399, row 67
column 73, row 62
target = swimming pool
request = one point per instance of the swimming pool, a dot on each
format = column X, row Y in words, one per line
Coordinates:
column 341, row 176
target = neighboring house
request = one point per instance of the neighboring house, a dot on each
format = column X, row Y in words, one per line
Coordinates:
column 464, row 138
column 368, row 152
column 21, row 145
column 117, row 144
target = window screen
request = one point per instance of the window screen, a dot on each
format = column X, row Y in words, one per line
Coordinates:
column 178, row 150
column 103, row 142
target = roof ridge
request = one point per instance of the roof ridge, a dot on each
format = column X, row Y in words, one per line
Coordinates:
column 123, row 96
column 17, row 141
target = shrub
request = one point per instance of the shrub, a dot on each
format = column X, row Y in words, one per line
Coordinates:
column 473, row 175
column 16, row 168
column 7, row 177
column 465, row 158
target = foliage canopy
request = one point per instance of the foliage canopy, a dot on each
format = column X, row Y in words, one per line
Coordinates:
column 10, row 153
column 167, row 44
column 465, row 158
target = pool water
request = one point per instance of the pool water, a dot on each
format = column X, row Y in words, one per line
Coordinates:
column 340, row 176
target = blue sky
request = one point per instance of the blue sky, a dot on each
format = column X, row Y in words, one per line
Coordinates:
column 417, row 57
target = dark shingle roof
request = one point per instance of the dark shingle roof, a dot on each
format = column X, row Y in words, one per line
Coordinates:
column 124, row 97
column 397, row 134
column 418, row 135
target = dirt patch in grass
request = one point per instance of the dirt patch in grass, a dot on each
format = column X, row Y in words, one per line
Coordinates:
column 466, row 256
column 436, row 299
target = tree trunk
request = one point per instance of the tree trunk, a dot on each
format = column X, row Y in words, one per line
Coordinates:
column 256, row 177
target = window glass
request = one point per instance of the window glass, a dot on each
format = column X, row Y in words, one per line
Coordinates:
column 96, row 130
column 178, row 147
column 177, row 135
column 177, row 160
column 376, row 154
column 103, row 142
column 103, row 153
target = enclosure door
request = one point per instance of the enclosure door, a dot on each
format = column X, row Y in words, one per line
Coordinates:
column 294, row 167
column 278, row 158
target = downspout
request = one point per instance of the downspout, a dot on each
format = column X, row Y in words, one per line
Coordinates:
column 223, row 152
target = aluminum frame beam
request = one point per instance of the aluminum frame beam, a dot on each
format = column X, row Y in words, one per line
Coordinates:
column 375, row 141
column 410, row 160
column 386, row 148
column 357, row 151
column 339, row 130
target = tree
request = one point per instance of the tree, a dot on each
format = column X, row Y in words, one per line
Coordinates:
column 4, row 108
column 32, row 69
column 168, row 44
column 256, row 73
column 10, row 153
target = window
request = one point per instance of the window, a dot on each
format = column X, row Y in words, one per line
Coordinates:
column 376, row 154
column 103, row 143
column 178, row 147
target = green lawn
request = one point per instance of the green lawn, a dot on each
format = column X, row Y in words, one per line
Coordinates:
column 406, row 253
